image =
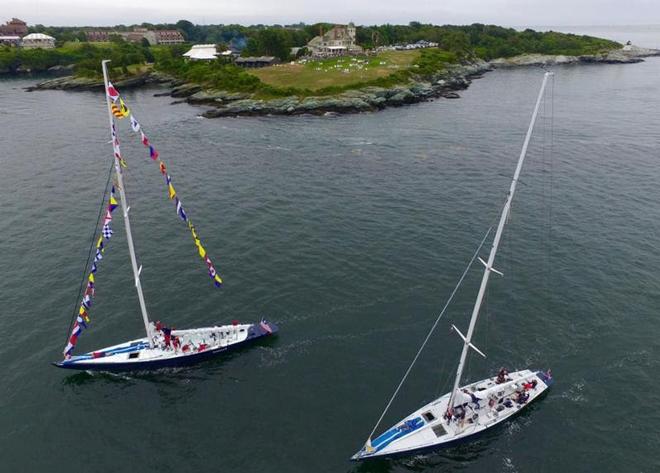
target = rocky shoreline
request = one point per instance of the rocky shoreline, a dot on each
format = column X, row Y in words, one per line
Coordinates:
column 444, row 84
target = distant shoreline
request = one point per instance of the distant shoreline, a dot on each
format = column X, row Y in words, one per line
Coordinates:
column 444, row 84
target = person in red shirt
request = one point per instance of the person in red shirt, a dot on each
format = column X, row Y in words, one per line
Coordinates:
column 530, row 385
column 167, row 333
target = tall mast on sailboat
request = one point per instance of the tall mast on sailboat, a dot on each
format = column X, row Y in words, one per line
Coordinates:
column 467, row 339
column 125, row 207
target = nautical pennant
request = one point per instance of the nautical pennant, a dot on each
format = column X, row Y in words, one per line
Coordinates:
column 120, row 111
column 154, row 155
column 107, row 231
column 112, row 92
column 82, row 319
column 113, row 202
column 116, row 111
column 180, row 211
column 134, row 124
column 123, row 108
column 89, row 290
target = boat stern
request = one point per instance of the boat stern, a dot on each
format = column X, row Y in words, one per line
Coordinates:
column 264, row 328
column 546, row 377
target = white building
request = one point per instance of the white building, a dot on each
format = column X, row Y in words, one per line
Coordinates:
column 38, row 40
column 10, row 40
column 202, row 52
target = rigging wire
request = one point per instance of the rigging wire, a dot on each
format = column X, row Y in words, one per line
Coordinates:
column 89, row 252
column 435, row 324
column 552, row 184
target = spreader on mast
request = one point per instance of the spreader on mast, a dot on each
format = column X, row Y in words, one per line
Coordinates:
column 125, row 208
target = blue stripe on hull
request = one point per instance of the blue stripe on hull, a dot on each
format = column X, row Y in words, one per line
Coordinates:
column 256, row 333
column 397, row 432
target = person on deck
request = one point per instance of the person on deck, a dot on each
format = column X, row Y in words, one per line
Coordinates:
column 501, row 376
column 474, row 398
column 522, row 397
column 167, row 332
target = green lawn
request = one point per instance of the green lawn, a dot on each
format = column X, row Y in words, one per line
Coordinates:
column 335, row 72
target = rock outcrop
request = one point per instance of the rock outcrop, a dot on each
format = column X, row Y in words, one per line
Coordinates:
column 627, row 55
column 71, row 82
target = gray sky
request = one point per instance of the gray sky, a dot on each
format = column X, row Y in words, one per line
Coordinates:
column 502, row 12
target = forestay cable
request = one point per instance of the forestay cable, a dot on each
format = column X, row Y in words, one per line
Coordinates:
column 437, row 320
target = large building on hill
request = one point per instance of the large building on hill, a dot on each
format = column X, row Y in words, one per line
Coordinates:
column 14, row 27
column 169, row 37
column 338, row 41
column 137, row 35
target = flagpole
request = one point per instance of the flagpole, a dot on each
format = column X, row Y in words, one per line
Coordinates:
column 125, row 209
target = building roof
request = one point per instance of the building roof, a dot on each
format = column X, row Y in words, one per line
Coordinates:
column 38, row 36
column 256, row 59
column 202, row 51
column 9, row 38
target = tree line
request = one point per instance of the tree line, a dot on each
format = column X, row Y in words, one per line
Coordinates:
column 483, row 41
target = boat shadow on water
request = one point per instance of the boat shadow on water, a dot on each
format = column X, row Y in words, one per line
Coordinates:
column 455, row 457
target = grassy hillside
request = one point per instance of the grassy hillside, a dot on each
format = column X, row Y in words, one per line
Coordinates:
column 336, row 72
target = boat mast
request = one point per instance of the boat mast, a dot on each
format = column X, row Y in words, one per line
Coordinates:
column 496, row 241
column 125, row 208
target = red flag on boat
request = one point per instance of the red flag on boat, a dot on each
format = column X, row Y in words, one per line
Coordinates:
column 112, row 92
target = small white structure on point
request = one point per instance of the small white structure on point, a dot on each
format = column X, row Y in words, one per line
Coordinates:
column 11, row 40
column 38, row 40
column 202, row 52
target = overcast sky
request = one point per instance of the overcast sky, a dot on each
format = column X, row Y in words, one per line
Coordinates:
column 502, row 12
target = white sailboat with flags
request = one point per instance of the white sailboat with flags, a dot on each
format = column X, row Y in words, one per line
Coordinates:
column 467, row 410
column 161, row 347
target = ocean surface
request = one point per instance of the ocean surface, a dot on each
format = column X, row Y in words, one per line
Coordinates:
column 349, row 232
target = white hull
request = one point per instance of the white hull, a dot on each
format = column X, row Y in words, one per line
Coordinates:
column 195, row 344
column 427, row 429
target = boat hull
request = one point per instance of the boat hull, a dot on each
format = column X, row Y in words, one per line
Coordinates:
column 255, row 332
column 362, row 455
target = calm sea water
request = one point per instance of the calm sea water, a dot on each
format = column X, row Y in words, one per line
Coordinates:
column 349, row 232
